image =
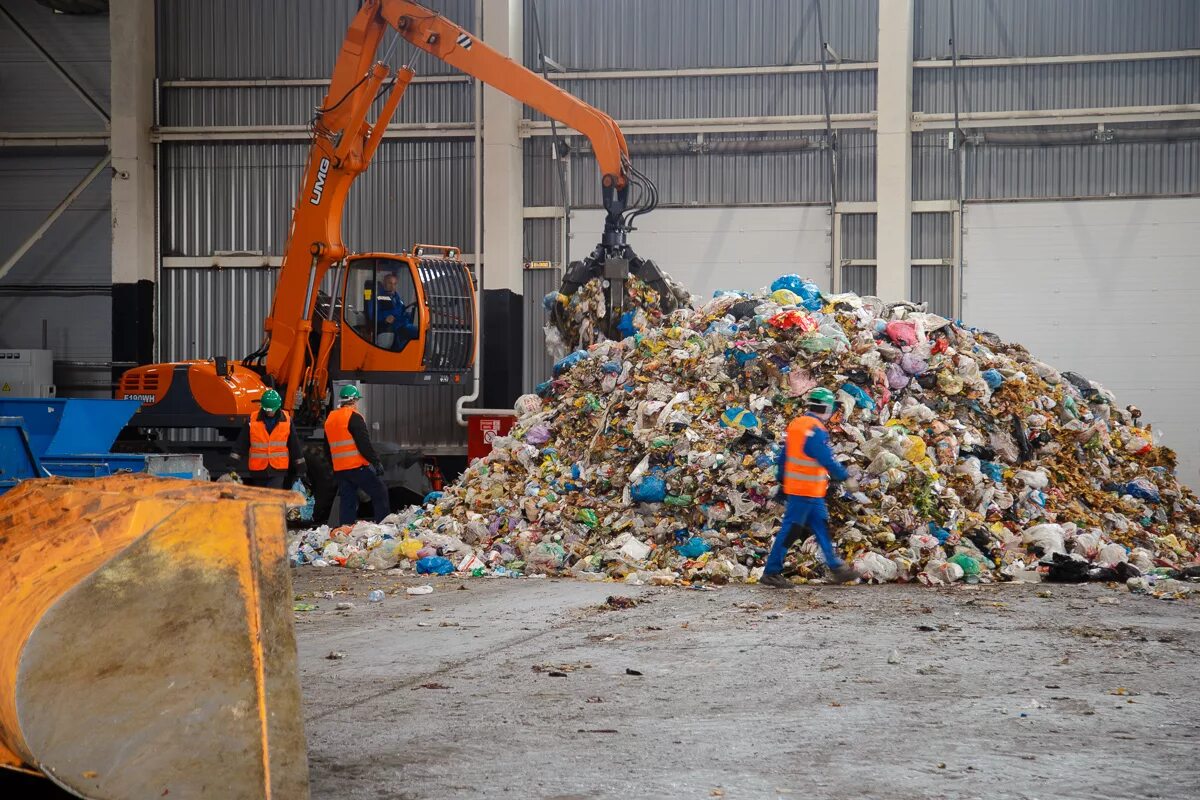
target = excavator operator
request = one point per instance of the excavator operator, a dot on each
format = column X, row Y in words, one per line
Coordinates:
column 388, row 315
column 268, row 445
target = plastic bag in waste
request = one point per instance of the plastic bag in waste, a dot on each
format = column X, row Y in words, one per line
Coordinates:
column 434, row 565
column 1048, row 537
column 693, row 548
column 650, row 489
column 913, row 364
column 901, row 333
column 568, row 361
column 875, row 568
column 738, row 418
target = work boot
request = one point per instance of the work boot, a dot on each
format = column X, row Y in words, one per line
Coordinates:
column 843, row 573
column 776, row 581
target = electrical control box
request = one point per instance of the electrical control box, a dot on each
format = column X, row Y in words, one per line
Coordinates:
column 26, row 373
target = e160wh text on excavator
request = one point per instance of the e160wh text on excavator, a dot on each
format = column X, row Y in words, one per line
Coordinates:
column 148, row 648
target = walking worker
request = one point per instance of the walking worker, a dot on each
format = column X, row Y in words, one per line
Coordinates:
column 807, row 466
column 355, row 464
column 268, row 445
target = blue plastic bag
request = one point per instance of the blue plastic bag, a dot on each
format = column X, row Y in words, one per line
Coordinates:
column 568, row 361
column 543, row 389
column 693, row 548
column 861, row 398
column 808, row 292
column 611, row 367
column 992, row 470
column 993, row 378
column 938, row 532
column 1142, row 489
column 432, row 497
column 736, row 417
column 648, row 489
column 434, row 565
column 306, row 510
column 625, row 325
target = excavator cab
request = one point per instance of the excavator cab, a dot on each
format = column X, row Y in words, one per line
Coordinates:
column 406, row 318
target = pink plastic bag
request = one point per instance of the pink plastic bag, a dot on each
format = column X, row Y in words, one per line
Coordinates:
column 800, row 381
column 902, row 333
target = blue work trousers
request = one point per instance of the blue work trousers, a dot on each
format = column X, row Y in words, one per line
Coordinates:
column 349, row 482
column 802, row 517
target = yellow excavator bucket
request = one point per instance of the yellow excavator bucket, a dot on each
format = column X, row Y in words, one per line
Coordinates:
column 146, row 641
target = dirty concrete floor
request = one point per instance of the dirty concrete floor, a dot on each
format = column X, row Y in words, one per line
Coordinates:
column 523, row 689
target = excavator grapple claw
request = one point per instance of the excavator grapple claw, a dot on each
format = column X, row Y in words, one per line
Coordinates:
column 148, row 648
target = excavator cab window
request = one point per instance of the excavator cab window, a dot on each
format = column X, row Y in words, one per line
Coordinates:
column 381, row 303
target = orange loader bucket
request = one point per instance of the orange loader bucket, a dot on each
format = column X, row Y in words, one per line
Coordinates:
column 146, row 641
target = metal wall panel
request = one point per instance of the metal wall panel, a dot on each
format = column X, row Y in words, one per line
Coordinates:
column 35, row 97
column 934, row 167
column 1107, row 288
column 293, row 105
column 691, row 179
column 1049, row 86
column 222, row 196
column 859, row 279
column 725, row 95
column 543, row 241
column 856, row 165
column 1083, row 170
column 538, row 363
column 1054, row 27
column 858, row 236
column 677, row 34
column 932, row 284
column 208, row 312
column 933, row 235
column 235, row 39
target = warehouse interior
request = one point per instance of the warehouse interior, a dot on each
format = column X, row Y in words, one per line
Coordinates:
column 1030, row 169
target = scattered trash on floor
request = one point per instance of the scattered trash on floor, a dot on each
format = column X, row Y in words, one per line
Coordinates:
column 652, row 460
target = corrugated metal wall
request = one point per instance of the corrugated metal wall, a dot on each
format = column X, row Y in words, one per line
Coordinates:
column 678, row 34
column 995, row 28
column 64, row 280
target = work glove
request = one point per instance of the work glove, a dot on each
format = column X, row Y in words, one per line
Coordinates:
column 378, row 467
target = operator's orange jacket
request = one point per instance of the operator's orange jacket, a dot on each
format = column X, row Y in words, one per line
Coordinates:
column 269, row 448
column 342, row 449
column 803, row 476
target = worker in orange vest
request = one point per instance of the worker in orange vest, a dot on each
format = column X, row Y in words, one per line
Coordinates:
column 355, row 464
column 268, row 446
column 805, row 469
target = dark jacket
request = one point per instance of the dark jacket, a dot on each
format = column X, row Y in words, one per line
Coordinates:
column 362, row 438
column 241, row 448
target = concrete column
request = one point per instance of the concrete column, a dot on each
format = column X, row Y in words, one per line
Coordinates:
column 503, row 226
column 502, row 178
column 894, row 150
column 131, row 41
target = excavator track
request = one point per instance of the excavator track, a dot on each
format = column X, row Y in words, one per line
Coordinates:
column 148, row 648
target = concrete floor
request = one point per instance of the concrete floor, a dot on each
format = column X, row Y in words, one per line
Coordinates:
column 887, row 691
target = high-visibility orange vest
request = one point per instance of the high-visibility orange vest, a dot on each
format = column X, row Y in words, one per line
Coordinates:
column 341, row 443
column 803, row 476
column 269, row 449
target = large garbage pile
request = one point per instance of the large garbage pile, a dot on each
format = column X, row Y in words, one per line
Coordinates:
column 653, row 458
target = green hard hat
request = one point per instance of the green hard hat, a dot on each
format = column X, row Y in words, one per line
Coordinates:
column 350, row 392
column 821, row 397
column 271, row 401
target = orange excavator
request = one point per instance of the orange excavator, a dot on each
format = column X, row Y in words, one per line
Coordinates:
column 146, row 623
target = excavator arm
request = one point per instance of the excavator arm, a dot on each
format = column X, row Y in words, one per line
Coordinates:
column 344, row 142
column 612, row 260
